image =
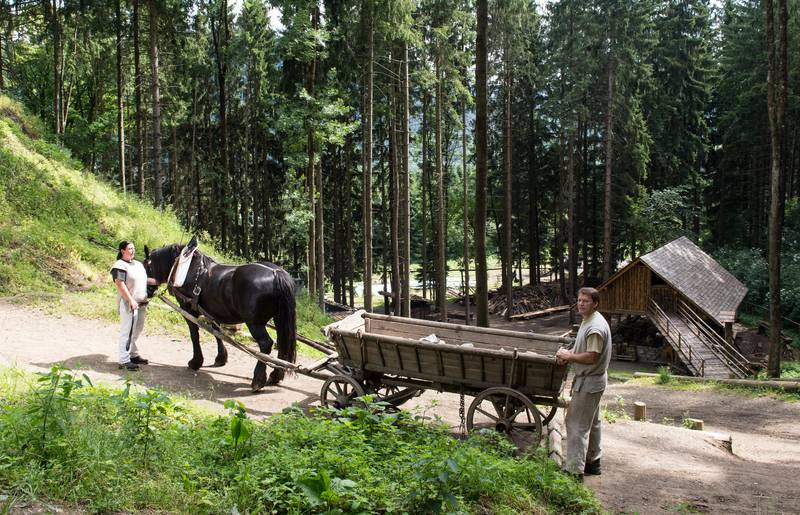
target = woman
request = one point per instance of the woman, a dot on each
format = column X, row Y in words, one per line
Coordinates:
column 131, row 281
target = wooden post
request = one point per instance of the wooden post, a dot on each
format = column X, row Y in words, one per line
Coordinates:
column 639, row 410
column 729, row 333
column 694, row 423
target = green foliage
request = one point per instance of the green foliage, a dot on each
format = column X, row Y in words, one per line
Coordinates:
column 143, row 413
column 613, row 412
column 686, row 420
column 359, row 460
column 660, row 216
column 739, row 390
column 749, row 265
column 790, row 370
column 50, row 410
column 664, row 375
column 240, row 428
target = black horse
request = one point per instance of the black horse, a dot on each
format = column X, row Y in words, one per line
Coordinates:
column 253, row 293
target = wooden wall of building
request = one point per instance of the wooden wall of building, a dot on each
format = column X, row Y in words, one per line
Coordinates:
column 628, row 293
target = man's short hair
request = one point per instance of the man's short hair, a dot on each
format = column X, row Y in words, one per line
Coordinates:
column 590, row 292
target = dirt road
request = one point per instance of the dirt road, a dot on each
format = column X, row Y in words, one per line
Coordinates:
column 647, row 467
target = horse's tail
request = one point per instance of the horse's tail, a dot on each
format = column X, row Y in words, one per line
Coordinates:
column 286, row 318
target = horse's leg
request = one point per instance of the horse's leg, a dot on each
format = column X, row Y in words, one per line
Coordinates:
column 197, row 352
column 260, row 334
column 222, row 354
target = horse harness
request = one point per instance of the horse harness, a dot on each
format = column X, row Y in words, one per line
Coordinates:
column 200, row 279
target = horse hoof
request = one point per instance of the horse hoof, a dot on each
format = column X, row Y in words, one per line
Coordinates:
column 194, row 365
column 220, row 362
column 275, row 377
column 257, row 384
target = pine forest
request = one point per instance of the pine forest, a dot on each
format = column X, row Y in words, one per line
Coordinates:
column 496, row 143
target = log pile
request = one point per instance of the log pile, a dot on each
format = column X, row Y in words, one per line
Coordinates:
column 526, row 299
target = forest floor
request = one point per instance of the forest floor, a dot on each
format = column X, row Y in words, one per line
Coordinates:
column 652, row 467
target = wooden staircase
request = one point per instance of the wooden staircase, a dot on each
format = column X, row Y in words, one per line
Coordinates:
column 698, row 346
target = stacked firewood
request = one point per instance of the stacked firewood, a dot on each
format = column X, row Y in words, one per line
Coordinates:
column 526, row 299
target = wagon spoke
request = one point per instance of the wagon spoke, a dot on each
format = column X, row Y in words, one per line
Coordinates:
column 519, row 410
column 481, row 410
column 507, row 407
column 339, row 391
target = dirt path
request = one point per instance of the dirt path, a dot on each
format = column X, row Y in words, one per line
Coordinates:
column 647, row 467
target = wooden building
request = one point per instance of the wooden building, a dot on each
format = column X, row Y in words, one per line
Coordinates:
column 690, row 298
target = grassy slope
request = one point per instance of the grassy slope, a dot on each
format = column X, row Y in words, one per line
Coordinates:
column 59, row 229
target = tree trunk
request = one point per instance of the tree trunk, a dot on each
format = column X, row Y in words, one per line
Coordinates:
column 608, row 254
column 51, row 14
column 394, row 170
column 572, row 247
column 137, row 70
column 441, row 251
column 384, row 225
column 348, row 220
column 481, row 165
column 319, row 233
column 464, row 180
column 338, row 256
column 120, row 106
column 193, row 162
column 219, row 34
column 367, row 193
column 174, row 183
column 558, row 218
column 508, row 261
column 533, row 230
column 405, row 187
column 156, row 98
column 777, row 85
column 424, row 188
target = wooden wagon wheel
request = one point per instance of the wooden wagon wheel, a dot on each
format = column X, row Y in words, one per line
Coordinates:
column 547, row 412
column 507, row 411
column 340, row 391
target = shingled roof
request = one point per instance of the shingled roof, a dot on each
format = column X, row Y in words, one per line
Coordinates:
column 695, row 274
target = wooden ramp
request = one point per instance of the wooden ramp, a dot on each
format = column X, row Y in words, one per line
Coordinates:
column 698, row 346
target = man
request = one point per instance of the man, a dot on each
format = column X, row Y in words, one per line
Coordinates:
column 590, row 355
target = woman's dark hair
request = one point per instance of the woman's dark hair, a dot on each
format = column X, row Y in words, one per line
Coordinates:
column 122, row 246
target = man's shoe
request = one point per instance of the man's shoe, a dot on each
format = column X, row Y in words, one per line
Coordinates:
column 129, row 366
column 139, row 360
column 593, row 468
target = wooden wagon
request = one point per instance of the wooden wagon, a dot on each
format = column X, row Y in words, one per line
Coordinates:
column 513, row 376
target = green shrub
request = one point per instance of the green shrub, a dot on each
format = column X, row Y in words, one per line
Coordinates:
column 664, row 375
column 360, row 459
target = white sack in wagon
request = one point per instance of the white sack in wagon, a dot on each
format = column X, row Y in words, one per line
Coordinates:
column 432, row 338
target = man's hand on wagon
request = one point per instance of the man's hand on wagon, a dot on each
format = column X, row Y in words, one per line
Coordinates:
column 562, row 356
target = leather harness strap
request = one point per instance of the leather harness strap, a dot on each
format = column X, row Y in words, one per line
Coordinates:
column 200, row 277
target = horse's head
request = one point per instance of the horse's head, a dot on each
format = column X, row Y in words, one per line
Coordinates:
column 158, row 263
